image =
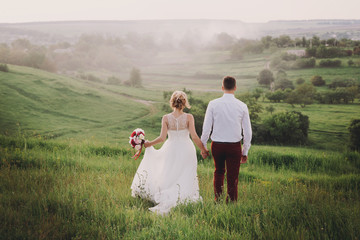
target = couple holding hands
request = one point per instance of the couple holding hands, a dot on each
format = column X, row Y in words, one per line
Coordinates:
column 168, row 176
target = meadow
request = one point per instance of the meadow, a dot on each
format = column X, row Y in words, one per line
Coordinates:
column 81, row 191
column 66, row 167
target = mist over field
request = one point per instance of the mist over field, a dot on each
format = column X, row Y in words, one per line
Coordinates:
column 118, row 46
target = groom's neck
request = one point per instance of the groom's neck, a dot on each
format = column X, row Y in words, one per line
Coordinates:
column 229, row 91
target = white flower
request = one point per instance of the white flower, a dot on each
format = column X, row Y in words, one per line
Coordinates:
column 137, row 147
column 142, row 137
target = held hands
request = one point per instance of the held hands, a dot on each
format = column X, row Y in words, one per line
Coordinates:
column 205, row 153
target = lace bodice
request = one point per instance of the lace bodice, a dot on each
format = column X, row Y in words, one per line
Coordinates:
column 179, row 123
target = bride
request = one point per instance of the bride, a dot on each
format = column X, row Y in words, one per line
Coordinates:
column 168, row 176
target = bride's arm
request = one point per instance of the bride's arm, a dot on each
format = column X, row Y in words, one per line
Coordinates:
column 162, row 136
column 194, row 135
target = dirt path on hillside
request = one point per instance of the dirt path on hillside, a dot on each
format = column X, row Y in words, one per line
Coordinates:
column 150, row 104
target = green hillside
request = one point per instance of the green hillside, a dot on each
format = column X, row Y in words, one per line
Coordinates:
column 52, row 106
column 66, row 169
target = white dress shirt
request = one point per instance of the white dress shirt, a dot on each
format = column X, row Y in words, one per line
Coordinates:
column 226, row 118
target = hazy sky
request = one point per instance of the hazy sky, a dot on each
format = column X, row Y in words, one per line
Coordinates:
column 245, row 10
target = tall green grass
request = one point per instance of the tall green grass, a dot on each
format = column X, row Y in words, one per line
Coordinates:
column 52, row 190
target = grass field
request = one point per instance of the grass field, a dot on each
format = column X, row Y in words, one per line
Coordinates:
column 65, row 166
column 81, row 191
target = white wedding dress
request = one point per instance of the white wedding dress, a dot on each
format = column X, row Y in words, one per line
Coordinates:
column 168, row 176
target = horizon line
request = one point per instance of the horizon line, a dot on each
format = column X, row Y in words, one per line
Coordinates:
column 161, row 20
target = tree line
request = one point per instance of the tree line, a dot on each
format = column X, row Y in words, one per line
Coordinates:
column 283, row 90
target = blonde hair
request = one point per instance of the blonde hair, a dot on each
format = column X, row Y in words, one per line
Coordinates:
column 179, row 100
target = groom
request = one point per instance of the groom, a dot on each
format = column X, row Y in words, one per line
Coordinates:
column 227, row 120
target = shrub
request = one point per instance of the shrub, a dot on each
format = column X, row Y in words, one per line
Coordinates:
column 354, row 129
column 286, row 128
column 284, row 83
column 276, row 96
column 304, row 63
column 356, row 51
column 90, row 77
column 310, row 52
column 114, row 80
column 317, row 81
column 348, row 52
column 265, row 77
column 304, row 95
column 340, row 94
column 331, row 52
column 300, row 81
column 341, row 83
column 288, row 57
column 330, row 63
column 350, row 62
column 4, row 68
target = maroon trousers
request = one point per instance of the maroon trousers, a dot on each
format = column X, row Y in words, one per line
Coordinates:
column 227, row 158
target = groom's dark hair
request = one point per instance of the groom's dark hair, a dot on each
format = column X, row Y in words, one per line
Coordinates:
column 229, row 83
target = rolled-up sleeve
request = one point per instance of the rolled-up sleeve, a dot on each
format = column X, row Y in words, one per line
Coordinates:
column 247, row 132
column 207, row 126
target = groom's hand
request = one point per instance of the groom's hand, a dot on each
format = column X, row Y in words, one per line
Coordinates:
column 243, row 159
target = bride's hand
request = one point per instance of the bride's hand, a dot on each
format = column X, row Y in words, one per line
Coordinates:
column 147, row 144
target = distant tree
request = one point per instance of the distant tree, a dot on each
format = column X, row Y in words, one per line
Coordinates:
column 303, row 95
column 288, row 57
column 304, row 42
column 287, row 128
column 21, row 44
column 350, row 63
column 315, row 41
column 281, row 74
column 304, row 63
column 135, row 78
column 113, row 80
column 330, row 63
column 265, row 77
column 266, row 41
column 4, row 68
column 245, row 46
column 300, row 81
column 356, row 50
column 257, row 93
column 354, row 129
column 338, row 82
column 5, row 52
column 278, row 63
column 277, row 96
column 270, row 109
column 331, row 41
column 310, row 52
column 283, row 41
column 284, row 83
column 224, row 41
column 253, row 47
column 298, row 42
column 317, row 81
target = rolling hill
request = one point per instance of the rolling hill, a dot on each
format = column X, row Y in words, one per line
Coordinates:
column 43, row 104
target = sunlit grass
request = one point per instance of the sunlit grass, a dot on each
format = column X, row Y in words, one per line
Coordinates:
column 82, row 190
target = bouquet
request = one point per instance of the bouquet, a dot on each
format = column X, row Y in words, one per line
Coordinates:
column 137, row 140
